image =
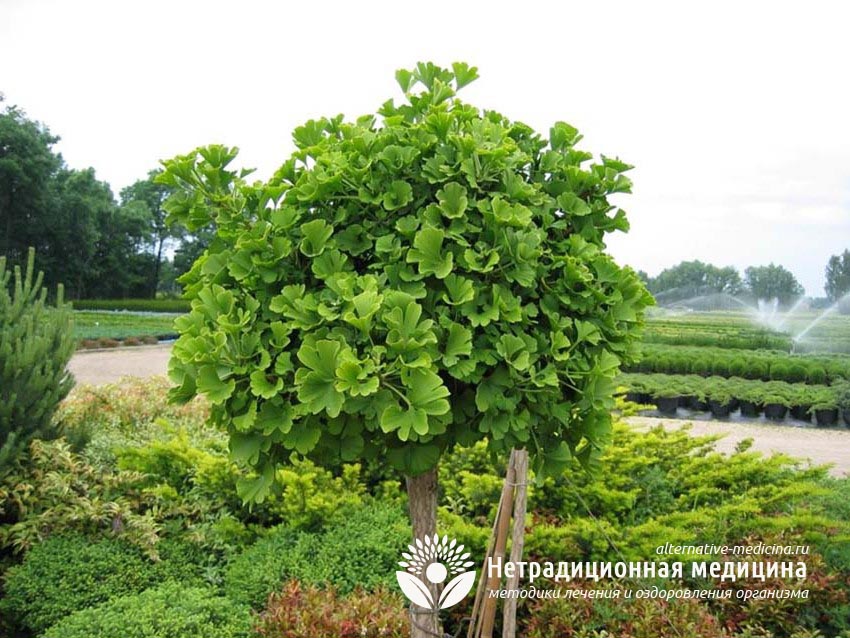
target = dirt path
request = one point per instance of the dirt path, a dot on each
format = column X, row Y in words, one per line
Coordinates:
column 819, row 445
column 107, row 366
column 816, row 444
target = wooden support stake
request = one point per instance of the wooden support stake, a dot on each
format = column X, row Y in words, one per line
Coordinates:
column 488, row 609
column 517, row 540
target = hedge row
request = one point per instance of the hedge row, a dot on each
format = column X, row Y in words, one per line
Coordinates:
column 729, row 335
column 136, row 305
column 723, row 395
column 765, row 365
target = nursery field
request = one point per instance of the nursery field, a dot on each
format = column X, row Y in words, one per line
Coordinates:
column 91, row 325
column 796, row 370
column 131, row 524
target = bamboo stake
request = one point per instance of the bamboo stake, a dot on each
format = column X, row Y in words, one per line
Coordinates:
column 488, row 611
column 517, row 540
column 475, row 618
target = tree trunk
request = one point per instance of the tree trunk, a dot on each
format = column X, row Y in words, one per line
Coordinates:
column 157, row 267
column 422, row 502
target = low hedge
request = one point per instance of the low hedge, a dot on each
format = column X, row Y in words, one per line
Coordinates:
column 138, row 305
column 724, row 390
column 170, row 611
column 362, row 551
column 764, row 365
column 64, row 574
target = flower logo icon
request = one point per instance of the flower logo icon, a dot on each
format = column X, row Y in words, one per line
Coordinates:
column 434, row 560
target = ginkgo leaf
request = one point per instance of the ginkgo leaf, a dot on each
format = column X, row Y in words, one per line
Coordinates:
column 316, row 382
column 452, row 198
column 428, row 252
column 398, row 195
column 315, row 235
column 458, row 343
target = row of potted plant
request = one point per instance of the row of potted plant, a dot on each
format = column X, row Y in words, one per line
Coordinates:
column 763, row 365
column 722, row 396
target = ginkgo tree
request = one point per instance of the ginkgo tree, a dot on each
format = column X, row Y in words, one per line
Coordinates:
column 425, row 277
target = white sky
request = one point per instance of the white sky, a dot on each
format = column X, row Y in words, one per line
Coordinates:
column 736, row 115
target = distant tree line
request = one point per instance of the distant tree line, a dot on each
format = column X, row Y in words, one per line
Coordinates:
column 97, row 246
column 101, row 247
column 690, row 279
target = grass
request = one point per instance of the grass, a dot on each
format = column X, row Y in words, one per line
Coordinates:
column 120, row 325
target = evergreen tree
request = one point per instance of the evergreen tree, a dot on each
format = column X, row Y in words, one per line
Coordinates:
column 35, row 347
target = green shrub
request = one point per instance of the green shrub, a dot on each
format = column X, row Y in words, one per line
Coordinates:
column 263, row 567
column 780, row 371
column 67, row 573
column 816, row 375
column 738, row 367
column 361, row 551
column 169, row 611
column 35, row 347
column 305, row 612
column 797, row 373
column 58, row 491
column 757, row 369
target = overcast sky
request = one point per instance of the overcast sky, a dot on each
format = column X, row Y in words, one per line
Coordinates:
column 736, row 115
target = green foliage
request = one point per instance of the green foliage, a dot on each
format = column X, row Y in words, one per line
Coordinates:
column 165, row 612
column 837, row 276
column 134, row 305
column 304, row 612
column 693, row 278
column 263, row 567
column 758, row 364
column 59, row 491
column 66, row 574
column 725, row 390
column 359, row 551
column 35, row 347
column 100, row 324
column 772, row 282
column 397, row 288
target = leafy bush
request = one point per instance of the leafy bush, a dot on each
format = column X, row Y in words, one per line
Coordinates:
column 170, row 611
column 437, row 253
column 59, row 491
column 129, row 413
column 305, row 612
column 262, row 568
column 67, row 573
column 35, row 347
column 361, row 551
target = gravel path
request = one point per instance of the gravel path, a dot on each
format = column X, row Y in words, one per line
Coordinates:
column 107, row 366
column 819, row 445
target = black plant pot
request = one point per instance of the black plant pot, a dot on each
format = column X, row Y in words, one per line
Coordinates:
column 634, row 397
column 644, row 398
column 827, row 416
column 750, row 409
column 801, row 412
column 667, row 405
column 846, row 416
column 695, row 404
column 775, row 411
column 685, row 402
column 734, row 405
column 719, row 410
